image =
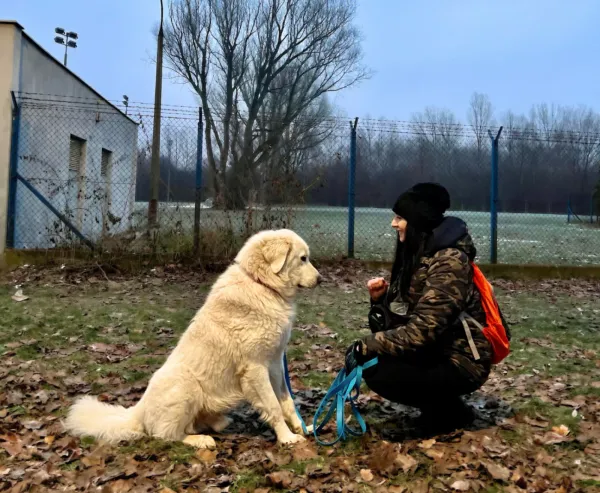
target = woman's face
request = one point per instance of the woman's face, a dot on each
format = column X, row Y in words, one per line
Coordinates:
column 399, row 224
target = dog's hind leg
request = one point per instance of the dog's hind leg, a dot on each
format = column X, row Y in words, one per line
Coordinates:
column 276, row 375
column 204, row 422
column 258, row 390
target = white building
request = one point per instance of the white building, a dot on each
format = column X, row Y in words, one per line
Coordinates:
column 77, row 149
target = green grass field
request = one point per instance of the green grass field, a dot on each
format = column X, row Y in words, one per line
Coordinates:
column 522, row 238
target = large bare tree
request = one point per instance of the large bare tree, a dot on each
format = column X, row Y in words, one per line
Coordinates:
column 480, row 116
column 241, row 56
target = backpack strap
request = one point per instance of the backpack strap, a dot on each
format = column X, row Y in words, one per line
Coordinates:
column 464, row 317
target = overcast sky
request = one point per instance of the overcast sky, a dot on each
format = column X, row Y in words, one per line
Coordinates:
column 423, row 52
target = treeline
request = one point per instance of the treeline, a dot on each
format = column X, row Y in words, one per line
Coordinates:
column 546, row 159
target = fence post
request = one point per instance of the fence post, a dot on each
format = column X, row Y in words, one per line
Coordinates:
column 352, row 188
column 494, row 198
column 198, row 196
column 12, row 180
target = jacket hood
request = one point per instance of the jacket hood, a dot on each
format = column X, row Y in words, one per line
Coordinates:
column 451, row 233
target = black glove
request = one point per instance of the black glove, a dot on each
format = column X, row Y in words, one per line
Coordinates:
column 355, row 355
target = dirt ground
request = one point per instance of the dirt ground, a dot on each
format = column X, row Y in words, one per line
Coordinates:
column 67, row 332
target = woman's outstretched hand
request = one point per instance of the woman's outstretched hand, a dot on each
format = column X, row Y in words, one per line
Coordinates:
column 377, row 288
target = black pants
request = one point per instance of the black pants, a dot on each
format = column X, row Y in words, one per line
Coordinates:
column 426, row 382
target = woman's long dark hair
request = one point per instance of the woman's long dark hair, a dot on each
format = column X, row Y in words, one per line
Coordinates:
column 408, row 255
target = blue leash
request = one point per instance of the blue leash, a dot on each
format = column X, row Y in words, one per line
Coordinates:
column 289, row 386
column 341, row 390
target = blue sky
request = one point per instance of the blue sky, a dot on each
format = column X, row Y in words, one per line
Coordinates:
column 422, row 52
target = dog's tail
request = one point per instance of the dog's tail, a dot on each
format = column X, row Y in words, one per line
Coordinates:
column 90, row 417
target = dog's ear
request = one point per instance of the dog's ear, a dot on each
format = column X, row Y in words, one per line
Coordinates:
column 276, row 254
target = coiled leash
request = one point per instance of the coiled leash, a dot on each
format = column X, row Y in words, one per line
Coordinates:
column 344, row 388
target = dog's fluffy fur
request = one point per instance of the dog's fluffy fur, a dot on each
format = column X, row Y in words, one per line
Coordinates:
column 232, row 351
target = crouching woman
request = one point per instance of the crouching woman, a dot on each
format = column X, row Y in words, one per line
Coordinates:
column 427, row 322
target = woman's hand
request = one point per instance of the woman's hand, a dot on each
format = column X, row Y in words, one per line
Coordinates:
column 377, row 288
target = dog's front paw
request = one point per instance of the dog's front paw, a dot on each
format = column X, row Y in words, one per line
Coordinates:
column 291, row 439
column 296, row 425
column 200, row 441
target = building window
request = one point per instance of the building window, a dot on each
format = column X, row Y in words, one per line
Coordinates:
column 75, row 182
column 106, row 175
column 105, row 163
column 76, row 154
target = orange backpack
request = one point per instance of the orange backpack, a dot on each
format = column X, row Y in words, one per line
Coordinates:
column 494, row 330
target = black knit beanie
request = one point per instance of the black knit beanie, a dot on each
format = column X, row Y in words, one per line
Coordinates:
column 423, row 206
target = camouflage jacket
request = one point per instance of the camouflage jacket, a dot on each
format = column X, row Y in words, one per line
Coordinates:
column 441, row 289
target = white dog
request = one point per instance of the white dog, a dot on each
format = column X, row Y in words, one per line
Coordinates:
column 232, row 351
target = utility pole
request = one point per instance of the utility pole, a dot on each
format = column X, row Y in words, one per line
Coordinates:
column 155, row 161
column 64, row 38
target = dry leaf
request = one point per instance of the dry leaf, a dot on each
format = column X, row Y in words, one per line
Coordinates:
column 19, row 296
column 419, row 486
column 280, row 479
column 461, row 485
column 304, row 451
column 366, row 475
column 497, row 471
column 561, row 430
column 427, row 444
column 434, row 454
column 206, row 455
column 383, row 458
column 406, row 462
column 282, row 459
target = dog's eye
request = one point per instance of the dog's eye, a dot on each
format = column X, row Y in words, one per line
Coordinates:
column 304, row 258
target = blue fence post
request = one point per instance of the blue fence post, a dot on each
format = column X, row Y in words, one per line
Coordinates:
column 198, row 195
column 12, row 180
column 352, row 188
column 494, row 198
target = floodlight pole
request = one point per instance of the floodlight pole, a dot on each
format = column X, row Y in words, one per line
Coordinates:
column 63, row 39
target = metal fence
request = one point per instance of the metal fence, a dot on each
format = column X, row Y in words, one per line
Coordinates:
column 81, row 175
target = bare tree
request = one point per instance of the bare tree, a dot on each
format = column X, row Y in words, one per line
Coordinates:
column 480, row 116
column 241, row 55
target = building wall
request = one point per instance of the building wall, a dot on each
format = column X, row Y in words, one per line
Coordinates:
column 9, row 70
column 55, row 106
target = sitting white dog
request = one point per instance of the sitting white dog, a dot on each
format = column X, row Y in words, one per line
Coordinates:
column 232, row 351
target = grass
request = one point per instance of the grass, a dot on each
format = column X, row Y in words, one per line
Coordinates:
column 555, row 339
column 522, row 238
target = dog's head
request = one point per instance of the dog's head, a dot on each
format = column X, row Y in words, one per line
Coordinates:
column 279, row 259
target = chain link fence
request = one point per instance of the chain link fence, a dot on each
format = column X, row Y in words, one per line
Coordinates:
column 81, row 176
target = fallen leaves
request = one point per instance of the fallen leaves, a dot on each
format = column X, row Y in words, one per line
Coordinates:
column 461, row 485
column 206, row 455
column 280, row 479
column 366, row 475
column 497, row 471
column 19, row 296
column 516, row 453
column 427, row 444
column 407, row 463
column 561, row 430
